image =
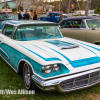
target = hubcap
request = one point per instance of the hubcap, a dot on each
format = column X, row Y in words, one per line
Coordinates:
column 27, row 75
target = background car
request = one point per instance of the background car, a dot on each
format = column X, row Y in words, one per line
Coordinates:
column 2, row 13
column 7, row 17
column 82, row 28
column 51, row 17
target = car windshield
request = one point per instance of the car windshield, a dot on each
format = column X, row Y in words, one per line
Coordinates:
column 36, row 32
column 43, row 15
column 57, row 14
column 92, row 22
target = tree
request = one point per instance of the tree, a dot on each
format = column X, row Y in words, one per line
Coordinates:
column 97, row 10
column 14, row 9
column 18, row 4
column 64, row 5
column 6, row 6
column 94, row 4
column 87, row 7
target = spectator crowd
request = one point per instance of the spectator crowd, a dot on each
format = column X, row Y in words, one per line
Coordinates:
column 27, row 16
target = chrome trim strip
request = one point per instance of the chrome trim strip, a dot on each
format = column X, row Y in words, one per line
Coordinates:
column 81, row 87
column 6, row 55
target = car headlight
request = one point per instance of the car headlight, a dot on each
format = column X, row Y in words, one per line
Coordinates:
column 55, row 67
column 47, row 69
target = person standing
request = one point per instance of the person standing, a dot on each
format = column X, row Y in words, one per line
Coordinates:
column 26, row 16
column 19, row 15
column 35, row 16
column 60, row 18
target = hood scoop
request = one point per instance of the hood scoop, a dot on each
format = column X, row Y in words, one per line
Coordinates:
column 62, row 44
column 68, row 47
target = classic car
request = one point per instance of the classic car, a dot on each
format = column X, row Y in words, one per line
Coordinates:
column 82, row 28
column 8, row 16
column 46, row 59
column 51, row 17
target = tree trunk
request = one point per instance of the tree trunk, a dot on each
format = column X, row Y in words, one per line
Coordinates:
column 87, row 7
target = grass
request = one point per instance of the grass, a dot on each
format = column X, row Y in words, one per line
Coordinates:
column 10, row 80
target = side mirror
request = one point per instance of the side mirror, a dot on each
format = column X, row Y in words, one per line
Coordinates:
column 94, row 27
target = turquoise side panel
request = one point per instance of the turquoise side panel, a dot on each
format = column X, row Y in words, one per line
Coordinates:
column 15, row 56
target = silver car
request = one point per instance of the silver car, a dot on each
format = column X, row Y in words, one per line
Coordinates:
column 82, row 28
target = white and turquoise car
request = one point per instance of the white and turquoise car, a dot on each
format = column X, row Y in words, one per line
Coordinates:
column 48, row 60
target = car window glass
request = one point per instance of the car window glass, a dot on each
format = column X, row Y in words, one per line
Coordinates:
column 52, row 15
column 82, row 25
column 57, row 14
column 3, row 17
column 8, row 30
column 36, row 32
column 12, row 17
column 0, row 24
column 71, row 24
column 92, row 22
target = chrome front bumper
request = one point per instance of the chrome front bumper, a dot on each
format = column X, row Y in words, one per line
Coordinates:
column 70, row 82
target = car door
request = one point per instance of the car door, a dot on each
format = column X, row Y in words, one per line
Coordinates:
column 74, row 29
column 52, row 17
column 6, row 44
column 93, row 35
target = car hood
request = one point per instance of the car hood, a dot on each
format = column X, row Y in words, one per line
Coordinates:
column 62, row 49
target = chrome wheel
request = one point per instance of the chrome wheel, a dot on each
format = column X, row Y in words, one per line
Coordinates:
column 27, row 76
column 27, row 73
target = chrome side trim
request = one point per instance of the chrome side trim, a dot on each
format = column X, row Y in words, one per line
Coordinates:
column 5, row 54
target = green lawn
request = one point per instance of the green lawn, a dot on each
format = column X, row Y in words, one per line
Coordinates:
column 10, row 80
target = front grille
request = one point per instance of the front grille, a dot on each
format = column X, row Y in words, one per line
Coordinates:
column 80, row 81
